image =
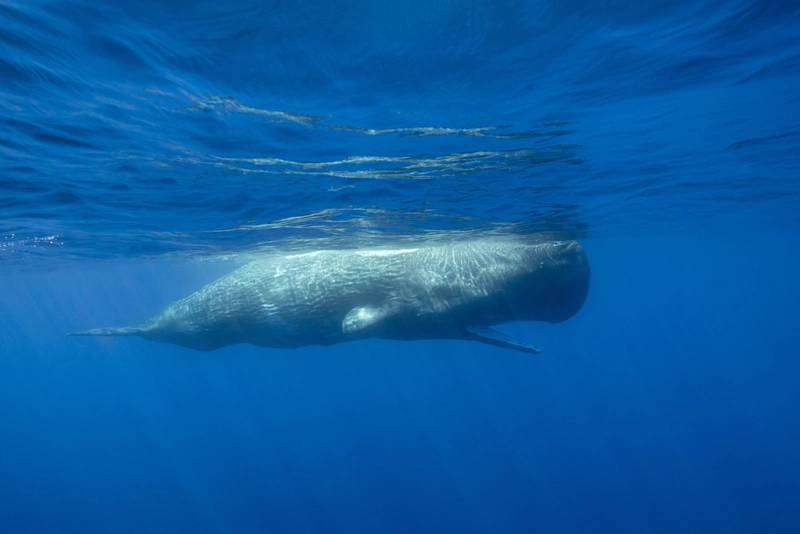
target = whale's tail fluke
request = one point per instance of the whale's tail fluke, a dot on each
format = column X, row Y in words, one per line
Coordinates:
column 121, row 331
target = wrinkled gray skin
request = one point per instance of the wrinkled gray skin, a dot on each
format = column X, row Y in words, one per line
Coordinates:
column 431, row 292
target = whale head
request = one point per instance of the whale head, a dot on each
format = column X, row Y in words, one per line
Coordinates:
column 554, row 283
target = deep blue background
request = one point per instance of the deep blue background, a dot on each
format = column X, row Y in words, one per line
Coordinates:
column 139, row 139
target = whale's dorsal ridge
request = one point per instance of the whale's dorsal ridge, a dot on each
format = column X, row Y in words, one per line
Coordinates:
column 490, row 336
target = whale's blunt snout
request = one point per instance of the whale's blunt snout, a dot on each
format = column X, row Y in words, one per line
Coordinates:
column 564, row 283
column 575, row 278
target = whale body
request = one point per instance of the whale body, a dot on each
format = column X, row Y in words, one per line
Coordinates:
column 453, row 291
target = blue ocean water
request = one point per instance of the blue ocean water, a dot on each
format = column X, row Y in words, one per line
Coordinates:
column 148, row 147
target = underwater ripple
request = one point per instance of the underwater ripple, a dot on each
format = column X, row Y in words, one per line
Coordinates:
column 131, row 131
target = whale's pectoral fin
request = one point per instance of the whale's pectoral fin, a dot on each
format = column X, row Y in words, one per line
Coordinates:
column 363, row 318
column 498, row 339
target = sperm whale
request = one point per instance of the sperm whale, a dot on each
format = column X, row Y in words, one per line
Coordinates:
column 439, row 291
